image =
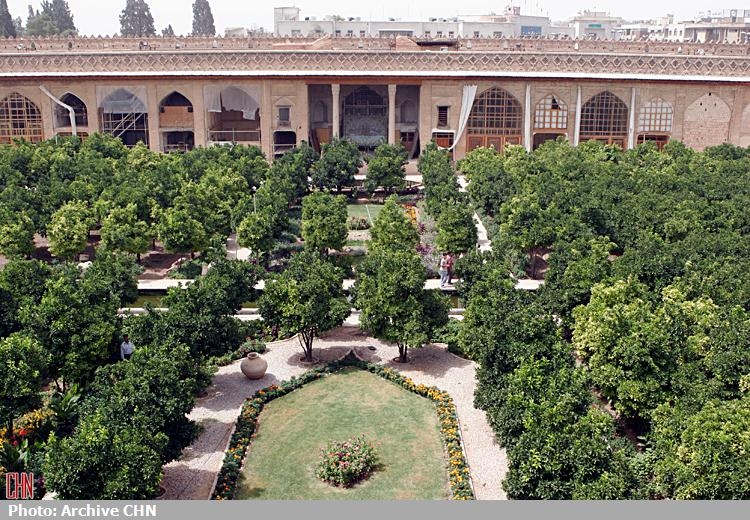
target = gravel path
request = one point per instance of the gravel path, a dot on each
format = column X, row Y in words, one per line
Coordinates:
column 193, row 475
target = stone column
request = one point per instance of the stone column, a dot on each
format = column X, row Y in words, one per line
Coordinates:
column 527, row 119
column 152, row 107
column 577, row 128
column 391, row 114
column 302, row 116
column 336, row 123
column 199, row 115
column 266, row 119
column 631, row 119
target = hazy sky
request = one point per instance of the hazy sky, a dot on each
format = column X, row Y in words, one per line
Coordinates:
column 100, row 17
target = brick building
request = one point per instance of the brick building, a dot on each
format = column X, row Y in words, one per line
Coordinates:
column 176, row 93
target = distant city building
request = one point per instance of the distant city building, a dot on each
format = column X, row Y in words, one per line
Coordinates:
column 722, row 26
column 595, row 25
column 288, row 23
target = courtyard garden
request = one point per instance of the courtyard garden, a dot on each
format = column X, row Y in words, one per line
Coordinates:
column 403, row 427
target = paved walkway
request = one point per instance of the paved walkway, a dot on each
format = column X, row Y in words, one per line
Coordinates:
column 193, row 475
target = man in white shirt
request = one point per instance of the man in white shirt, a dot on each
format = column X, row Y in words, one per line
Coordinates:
column 126, row 347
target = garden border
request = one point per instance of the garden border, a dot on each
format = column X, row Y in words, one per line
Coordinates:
column 457, row 467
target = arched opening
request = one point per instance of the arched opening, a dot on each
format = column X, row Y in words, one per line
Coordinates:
column 407, row 118
column 176, row 123
column 550, row 119
column 20, row 119
column 124, row 115
column 604, row 118
column 706, row 122
column 62, row 116
column 365, row 117
column 655, row 122
column 283, row 141
column 495, row 121
column 233, row 115
column 320, row 101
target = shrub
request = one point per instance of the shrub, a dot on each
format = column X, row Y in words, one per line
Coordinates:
column 346, row 463
column 357, row 223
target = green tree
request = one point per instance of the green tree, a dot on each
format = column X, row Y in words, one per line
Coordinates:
column 439, row 179
column 392, row 229
column 324, row 221
column 77, row 322
column 104, row 461
column 385, row 168
column 181, row 233
column 68, row 229
column 256, row 232
column 705, row 456
column 306, row 299
column 489, row 185
column 122, row 231
column 118, row 272
column 136, row 19
column 16, row 234
column 58, row 12
column 203, row 20
column 23, row 362
column 41, row 24
column 457, row 232
column 339, row 161
column 7, row 27
column 394, row 306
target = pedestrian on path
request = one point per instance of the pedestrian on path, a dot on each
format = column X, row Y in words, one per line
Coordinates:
column 126, row 347
column 450, row 268
column 444, row 269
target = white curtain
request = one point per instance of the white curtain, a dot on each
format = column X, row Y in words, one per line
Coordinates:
column 231, row 98
column 467, row 102
column 122, row 100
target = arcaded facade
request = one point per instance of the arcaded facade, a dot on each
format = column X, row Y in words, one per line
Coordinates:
column 175, row 94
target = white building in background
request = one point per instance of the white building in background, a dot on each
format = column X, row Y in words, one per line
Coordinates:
column 719, row 26
column 288, row 23
column 595, row 25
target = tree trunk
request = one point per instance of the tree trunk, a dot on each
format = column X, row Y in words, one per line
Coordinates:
column 306, row 341
column 137, row 258
column 403, row 353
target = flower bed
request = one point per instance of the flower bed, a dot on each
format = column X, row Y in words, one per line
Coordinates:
column 458, row 470
column 345, row 463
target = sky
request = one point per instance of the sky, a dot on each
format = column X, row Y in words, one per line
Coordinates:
column 101, row 17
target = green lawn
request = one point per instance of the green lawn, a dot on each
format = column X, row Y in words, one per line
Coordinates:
column 292, row 430
column 360, row 210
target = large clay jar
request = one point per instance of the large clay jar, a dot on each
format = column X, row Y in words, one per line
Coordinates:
column 253, row 366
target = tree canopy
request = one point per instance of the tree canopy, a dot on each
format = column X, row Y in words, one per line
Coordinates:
column 136, row 19
column 203, row 19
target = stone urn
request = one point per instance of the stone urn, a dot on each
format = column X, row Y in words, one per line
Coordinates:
column 253, row 366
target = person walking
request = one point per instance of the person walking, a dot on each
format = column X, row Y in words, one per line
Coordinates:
column 126, row 347
column 443, row 269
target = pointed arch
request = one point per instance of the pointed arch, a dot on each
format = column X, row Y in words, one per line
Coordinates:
column 551, row 113
column 175, row 99
column 62, row 116
column 124, row 113
column 176, row 123
column 495, row 120
column 706, row 122
column 604, row 117
column 20, row 118
column 655, row 122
